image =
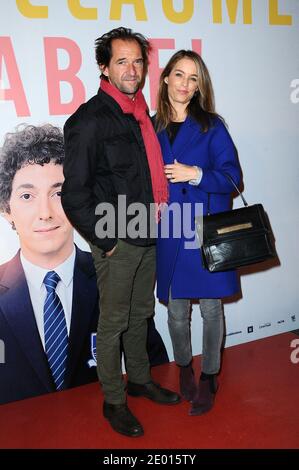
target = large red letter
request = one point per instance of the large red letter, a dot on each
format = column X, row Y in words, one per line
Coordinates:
column 196, row 45
column 56, row 75
column 154, row 69
column 16, row 91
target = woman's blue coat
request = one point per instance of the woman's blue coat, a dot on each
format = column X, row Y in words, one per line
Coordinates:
column 177, row 266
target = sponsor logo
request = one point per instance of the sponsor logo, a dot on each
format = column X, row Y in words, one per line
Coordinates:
column 294, row 96
column 2, row 352
column 265, row 325
column 234, row 333
column 93, row 350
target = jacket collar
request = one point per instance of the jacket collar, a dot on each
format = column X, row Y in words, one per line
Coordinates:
column 85, row 298
column 188, row 131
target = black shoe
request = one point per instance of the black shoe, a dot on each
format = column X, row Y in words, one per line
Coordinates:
column 122, row 420
column 188, row 387
column 154, row 392
column 205, row 396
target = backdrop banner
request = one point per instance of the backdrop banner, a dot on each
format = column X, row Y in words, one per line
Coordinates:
column 48, row 68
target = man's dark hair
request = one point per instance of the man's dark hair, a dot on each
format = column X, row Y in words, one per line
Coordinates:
column 29, row 145
column 104, row 45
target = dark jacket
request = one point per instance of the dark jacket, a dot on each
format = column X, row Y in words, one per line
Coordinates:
column 105, row 158
column 26, row 372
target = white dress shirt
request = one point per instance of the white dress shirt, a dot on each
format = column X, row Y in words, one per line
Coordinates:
column 35, row 276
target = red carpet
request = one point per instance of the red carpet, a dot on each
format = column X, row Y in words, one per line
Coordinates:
column 256, row 407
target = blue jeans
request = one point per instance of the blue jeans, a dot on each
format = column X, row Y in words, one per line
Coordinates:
column 179, row 328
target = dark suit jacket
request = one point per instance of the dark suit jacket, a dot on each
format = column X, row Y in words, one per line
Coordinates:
column 26, row 372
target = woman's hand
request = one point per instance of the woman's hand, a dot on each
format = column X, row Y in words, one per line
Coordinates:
column 180, row 173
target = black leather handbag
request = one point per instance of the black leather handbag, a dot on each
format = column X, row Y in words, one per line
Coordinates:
column 237, row 237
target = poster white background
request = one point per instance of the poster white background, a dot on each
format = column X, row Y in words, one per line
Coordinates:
column 254, row 63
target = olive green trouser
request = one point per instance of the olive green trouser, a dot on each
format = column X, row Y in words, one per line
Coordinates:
column 126, row 287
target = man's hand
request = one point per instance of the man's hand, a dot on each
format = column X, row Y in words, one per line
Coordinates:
column 109, row 253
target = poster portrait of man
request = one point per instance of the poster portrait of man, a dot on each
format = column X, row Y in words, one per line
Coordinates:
column 45, row 352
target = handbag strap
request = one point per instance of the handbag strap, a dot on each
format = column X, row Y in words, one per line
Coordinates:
column 236, row 188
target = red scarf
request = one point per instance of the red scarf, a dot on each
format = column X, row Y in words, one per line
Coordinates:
column 138, row 108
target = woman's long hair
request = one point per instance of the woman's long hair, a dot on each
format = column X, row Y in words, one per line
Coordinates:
column 202, row 104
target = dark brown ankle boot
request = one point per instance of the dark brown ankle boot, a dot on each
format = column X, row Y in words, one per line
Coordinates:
column 187, row 383
column 205, row 396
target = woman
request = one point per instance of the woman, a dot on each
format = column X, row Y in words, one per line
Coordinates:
column 198, row 151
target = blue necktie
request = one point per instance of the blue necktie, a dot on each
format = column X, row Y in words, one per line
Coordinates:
column 55, row 330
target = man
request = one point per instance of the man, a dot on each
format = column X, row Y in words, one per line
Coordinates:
column 31, row 177
column 48, row 276
column 111, row 153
